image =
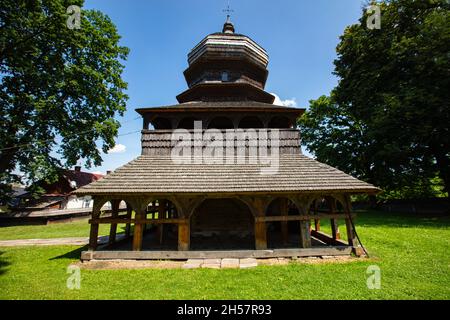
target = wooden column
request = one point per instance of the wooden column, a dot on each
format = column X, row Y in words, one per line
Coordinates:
column 349, row 226
column 316, row 221
column 138, row 230
column 305, row 234
column 258, row 207
column 128, row 225
column 284, row 224
column 260, row 235
column 334, row 222
column 303, row 204
column 93, row 236
column 161, row 215
column 115, row 213
column 184, row 236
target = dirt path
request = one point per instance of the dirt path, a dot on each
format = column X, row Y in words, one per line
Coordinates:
column 50, row 242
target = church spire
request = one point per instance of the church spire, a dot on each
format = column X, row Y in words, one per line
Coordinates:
column 228, row 27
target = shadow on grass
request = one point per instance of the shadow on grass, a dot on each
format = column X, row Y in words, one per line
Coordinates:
column 71, row 255
column 372, row 218
column 4, row 263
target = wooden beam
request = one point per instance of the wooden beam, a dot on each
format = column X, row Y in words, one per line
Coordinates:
column 302, row 217
column 328, row 239
column 120, row 220
column 238, row 254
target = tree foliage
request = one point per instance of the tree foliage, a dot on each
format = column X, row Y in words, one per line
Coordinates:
column 387, row 121
column 60, row 88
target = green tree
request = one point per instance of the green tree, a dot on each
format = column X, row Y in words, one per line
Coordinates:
column 57, row 83
column 393, row 87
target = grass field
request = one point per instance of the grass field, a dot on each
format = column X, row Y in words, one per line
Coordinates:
column 412, row 252
column 78, row 228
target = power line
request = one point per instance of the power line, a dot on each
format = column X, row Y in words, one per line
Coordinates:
column 79, row 133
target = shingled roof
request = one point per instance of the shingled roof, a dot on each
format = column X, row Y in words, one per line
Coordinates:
column 159, row 174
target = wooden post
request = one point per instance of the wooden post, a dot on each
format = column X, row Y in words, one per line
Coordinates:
column 128, row 225
column 316, row 221
column 93, row 236
column 305, row 235
column 334, row 222
column 138, row 230
column 184, row 236
column 258, row 207
column 115, row 213
column 161, row 215
column 349, row 226
column 260, row 235
column 284, row 224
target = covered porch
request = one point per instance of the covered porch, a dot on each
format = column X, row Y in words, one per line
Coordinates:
column 273, row 225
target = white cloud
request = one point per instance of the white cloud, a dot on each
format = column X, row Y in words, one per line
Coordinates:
column 287, row 103
column 119, row 148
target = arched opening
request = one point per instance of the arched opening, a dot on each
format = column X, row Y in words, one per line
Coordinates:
column 282, row 234
column 187, row 123
column 158, row 235
column 221, row 123
column 331, row 231
column 251, row 123
column 117, row 210
column 161, row 124
column 280, row 123
column 222, row 224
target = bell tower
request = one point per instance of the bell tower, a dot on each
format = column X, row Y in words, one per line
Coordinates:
column 227, row 66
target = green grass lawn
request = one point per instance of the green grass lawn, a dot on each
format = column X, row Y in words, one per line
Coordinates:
column 412, row 252
column 78, row 228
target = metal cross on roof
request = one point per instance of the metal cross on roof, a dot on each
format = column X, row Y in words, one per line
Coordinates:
column 228, row 10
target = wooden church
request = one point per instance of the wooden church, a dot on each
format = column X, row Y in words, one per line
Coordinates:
column 205, row 208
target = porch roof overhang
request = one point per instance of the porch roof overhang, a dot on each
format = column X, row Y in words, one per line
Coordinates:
column 160, row 175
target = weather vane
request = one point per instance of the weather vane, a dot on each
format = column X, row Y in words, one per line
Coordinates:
column 228, row 10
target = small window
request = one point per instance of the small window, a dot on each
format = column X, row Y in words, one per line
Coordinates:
column 225, row 76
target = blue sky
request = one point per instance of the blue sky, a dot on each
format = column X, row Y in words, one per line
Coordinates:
column 299, row 35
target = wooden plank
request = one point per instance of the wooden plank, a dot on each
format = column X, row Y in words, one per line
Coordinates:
column 327, row 238
column 238, row 254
